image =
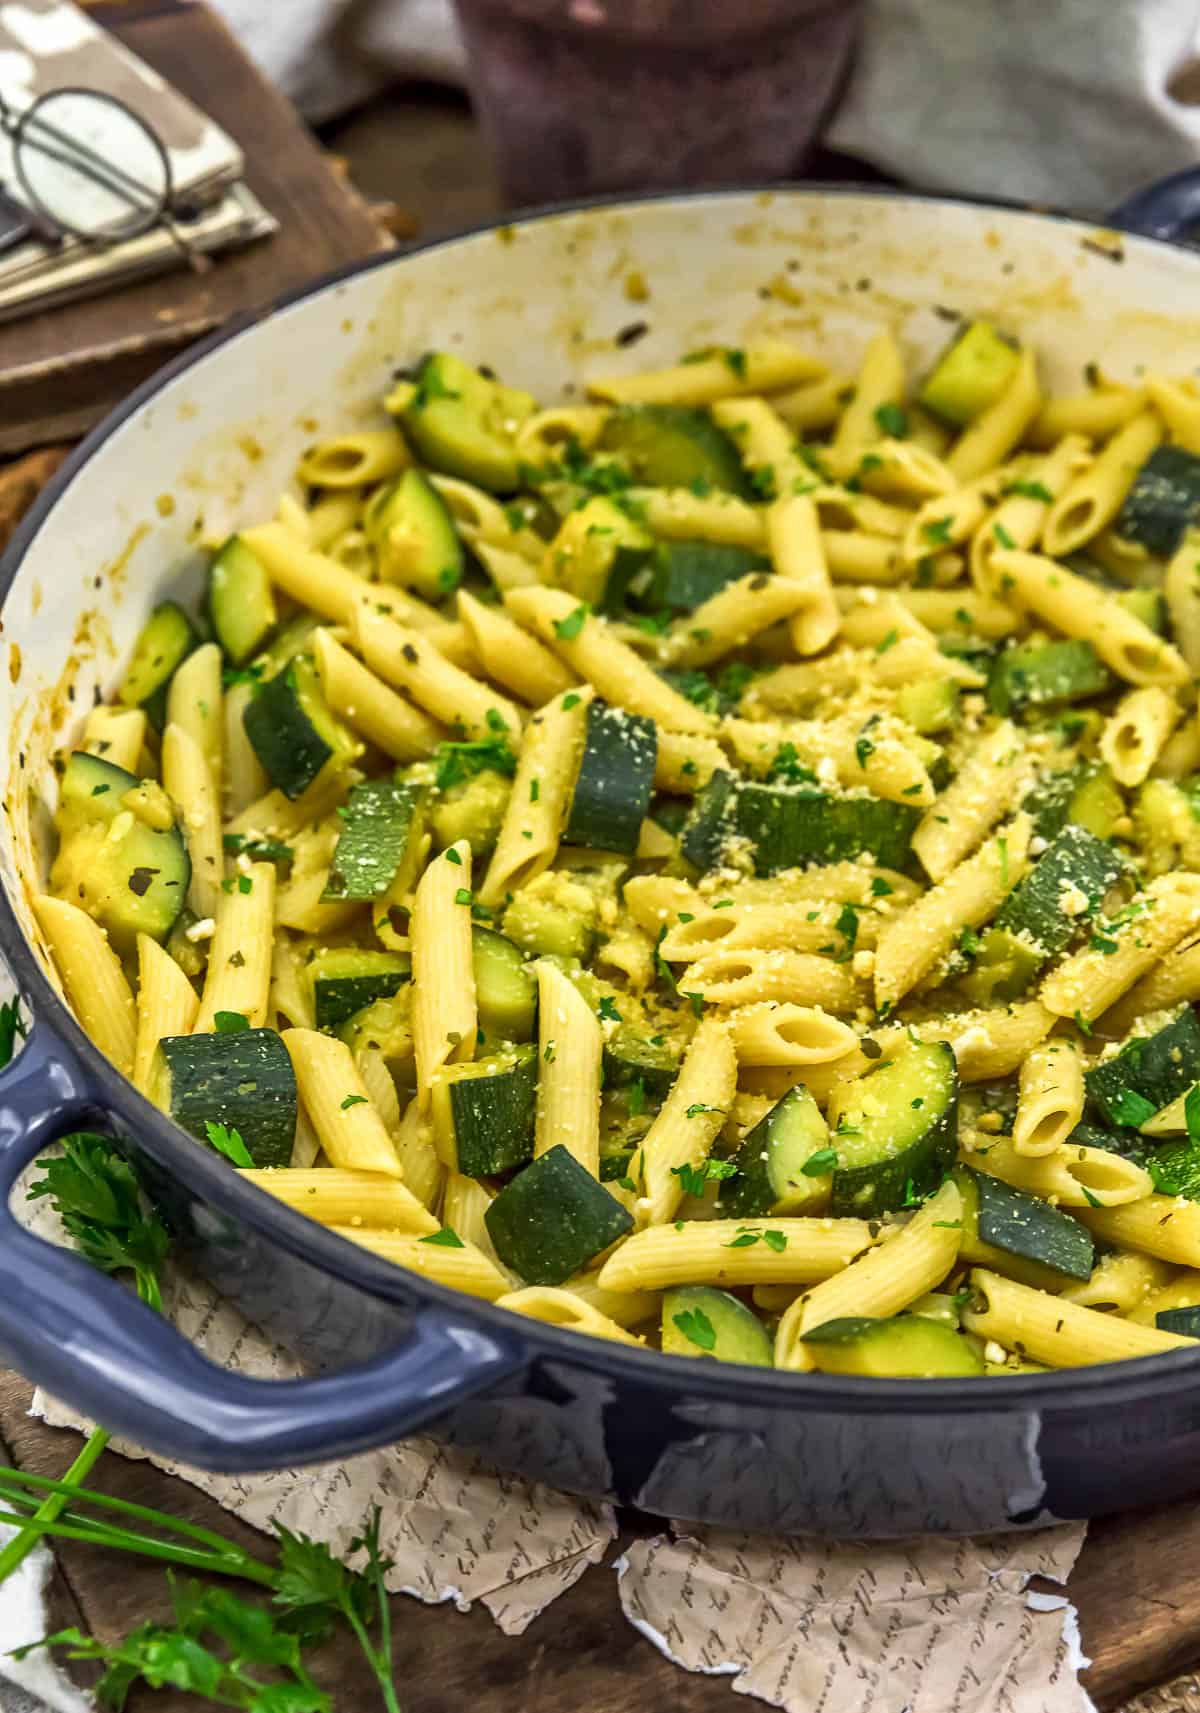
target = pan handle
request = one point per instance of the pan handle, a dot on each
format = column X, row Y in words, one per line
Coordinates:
column 88, row 1339
column 1168, row 209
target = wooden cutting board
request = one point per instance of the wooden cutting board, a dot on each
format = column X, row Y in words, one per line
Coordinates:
column 1137, row 1589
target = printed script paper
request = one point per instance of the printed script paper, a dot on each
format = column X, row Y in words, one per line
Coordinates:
column 813, row 1626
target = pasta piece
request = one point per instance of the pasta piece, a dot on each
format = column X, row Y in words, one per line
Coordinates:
column 337, row 1196
column 460, row 1267
column 351, row 460
column 510, row 656
column 365, row 702
column 1092, row 500
column 542, row 437
column 1176, row 978
column 328, row 517
column 194, row 704
column 763, row 367
column 290, row 996
column 410, row 662
column 940, row 610
column 1021, row 514
column 569, row 1050
column 731, row 618
column 1169, row 1290
column 799, row 978
column 881, row 1282
column 947, row 520
column 995, row 1043
column 1179, row 406
column 590, row 649
column 1051, row 1330
column 278, row 817
column 627, row 1308
column 1094, row 415
column 117, row 735
column 815, row 405
column 306, row 1146
column 350, row 1129
column 685, row 761
column 245, row 779
column 507, row 568
column 1181, row 587
column 443, row 978
column 91, row 974
column 878, row 385
column 547, row 767
column 238, row 978
column 912, row 943
column 677, row 514
column 465, row 1202
column 1167, row 1227
column 789, row 1035
column 749, row 925
column 853, row 556
column 687, row 1123
column 1051, row 1098
column 981, row 792
column 877, row 753
column 1180, row 755
column 763, row 438
column 990, row 438
column 1127, row 1283
column 802, row 1251
column 1078, row 608
column 166, row 1005
column 563, row 1308
column 1136, row 731
column 795, row 546
column 905, row 470
column 379, row 1084
column 189, row 781
column 1074, row 1176
column 300, row 899
column 480, row 517
column 422, row 1170
column 874, row 618
column 1093, row 978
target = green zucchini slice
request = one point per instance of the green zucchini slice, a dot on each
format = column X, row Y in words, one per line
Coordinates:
column 385, row 1026
column 1185, row 1321
column 553, row 1217
column 691, row 572
column 471, row 809
column 1001, row 969
column 771, row 1176
column 1163, row 502
column 632, row 1058
column 711, row 823
column 789, row 825
column 930, row 705
column 1045, row 675
column 699, row 1320
column 672, row 446
column 465, row 424
column 243, row 1080
column 413, row 534
column 378, row 820
column 598, row 552
column 554, row 917
column 903, row 1347
column 241, row 601
column 165, row 641
column 1063, row 890
column 615, row 779
column 505, row 987
column 895, row 1130
column 1014, row 1226
column 484, row 1114
column 120, row 855
column 346, row 979
column 292, row 731
column 1147, row 1074
column 970, row 374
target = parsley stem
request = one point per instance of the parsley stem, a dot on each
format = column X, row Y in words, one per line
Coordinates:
column 52, row 1506
column 12, row 1481
column 233, row 1562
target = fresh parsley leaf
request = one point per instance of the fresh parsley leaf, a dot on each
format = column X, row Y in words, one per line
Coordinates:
column 1031, row 491
column 817, row 1164
column 1002, row 535
column 353, row 1100
column 11, row 1026
column 892, row 419
column 463, row 895
column 607, row 1009
column 95, row 1192
column 1132, row 1109
column 776, row 1240
column 698, row 1107
column 230, row 1022
column 456, row 762
column 880, row 888
column 938, row 531
column 696, row 1327
column 227, row 1140
column 569, row 628
column 745, row 1240
column 444, row 1239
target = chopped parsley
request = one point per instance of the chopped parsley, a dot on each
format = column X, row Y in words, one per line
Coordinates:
column 445, row 1239
column 569, row 628
column 892, row 419
column 696, row 1327
column 1002, row 535
column 824, row 1160
column 230, row 1022
column 456, row 762
column 353, row 1100
column 227, row 1139
column 608, row 1010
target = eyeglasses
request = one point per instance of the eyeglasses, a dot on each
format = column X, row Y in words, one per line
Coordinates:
column 88, row 168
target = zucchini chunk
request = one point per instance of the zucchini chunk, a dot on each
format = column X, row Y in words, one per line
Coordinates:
column 385, row 1025
column 597, row 553
column 553, row 1217
column 771, row 1176
column 461, row 422
column 672, row 446
column 931, row 705
column 904, row 1347
column 243, row 1080
column 505, row 987
column 484, row 1113
column 632, row 1058
column 970, row 374
column 1084, row 796
column 1001, row 969
column 552, row 917
column 292, row 731
column 699, row 1320
column 471, row 809
column 688, row 573
column 711, row 821
column 409, row 525
column 1063, row 890
column 1163, row 502
column 120, row 855
column 1147, row 1074
column 378, row 821
column 788, row 825
column 1046, row 674
column 1185, row 1321
column 615, row 780
column 1021, row 1235
column 165, row 641
column 345, row 980
column 241, row 601
column 895, row 1130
